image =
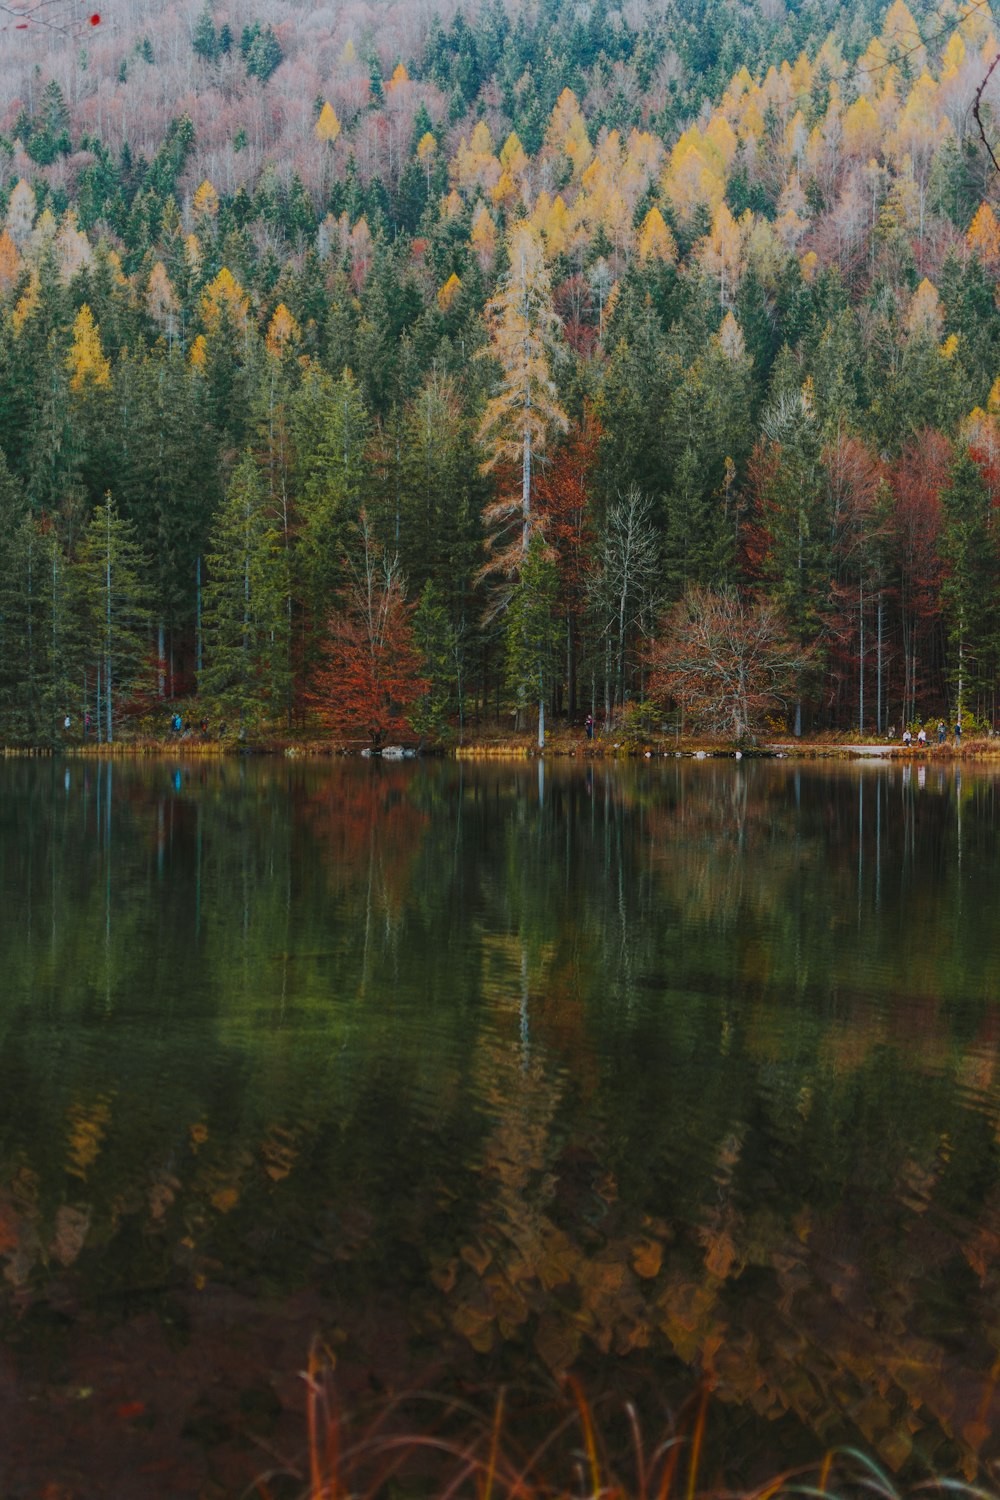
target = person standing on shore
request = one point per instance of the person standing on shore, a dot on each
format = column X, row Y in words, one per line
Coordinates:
column 941, row 731
column 958, row 733
column 589, row 726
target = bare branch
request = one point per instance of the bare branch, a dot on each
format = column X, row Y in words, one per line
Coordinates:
column 977, row 114
column 62, row 16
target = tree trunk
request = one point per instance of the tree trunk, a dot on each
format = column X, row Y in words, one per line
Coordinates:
column 107, row 670
column 197, row 619
column 861, row 656
column 878, row 670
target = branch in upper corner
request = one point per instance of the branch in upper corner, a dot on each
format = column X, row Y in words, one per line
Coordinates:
column 977, row 115
column 63, row 16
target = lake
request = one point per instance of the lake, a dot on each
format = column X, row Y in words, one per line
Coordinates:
column 670, row 1074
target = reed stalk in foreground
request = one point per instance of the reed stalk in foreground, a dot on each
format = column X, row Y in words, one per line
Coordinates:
column 447, row 1449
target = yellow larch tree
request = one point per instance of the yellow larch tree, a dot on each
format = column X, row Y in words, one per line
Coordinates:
column 919, row 133
column 873, row 63
column 731, row 340
column 829, row 60
column 517, row 421
column 198, row 355
column 924, row 315
column 983, row 236
column 722, row 253
column 26, row 304
column 484, row 237
column 567, row 132
column 474, row 165
column 399, row 75
column 860, row 127
column 224, row 297
column 694, row 177
column 952, row 57
column 655, row 240
column 448, row 292
column 73, row 250
column 327, row 127
column 10, row 265
column 161, row 302
column 451, row 205
column 283, row 333
column 901, row 36
column 802, row 76
column 86, row 361
column 550, row 219
column 43, row 236
column 513, row 167
column 721, row 140
column 426, row 152
column 750, row 125
column 205, row 202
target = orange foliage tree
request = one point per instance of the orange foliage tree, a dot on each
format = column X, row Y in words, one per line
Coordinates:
column 370, row 674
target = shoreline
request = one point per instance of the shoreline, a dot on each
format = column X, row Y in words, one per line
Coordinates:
column 561, row 747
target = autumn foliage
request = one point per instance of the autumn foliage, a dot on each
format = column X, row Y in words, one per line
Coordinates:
column 370, row 673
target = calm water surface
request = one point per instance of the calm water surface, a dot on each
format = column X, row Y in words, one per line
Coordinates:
column 484, row 1074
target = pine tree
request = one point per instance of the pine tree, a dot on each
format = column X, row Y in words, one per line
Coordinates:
column 245, row 675
column 436, row 641
column 531, row 631
column 205, row 40
column 969, row 588
column 110, row 578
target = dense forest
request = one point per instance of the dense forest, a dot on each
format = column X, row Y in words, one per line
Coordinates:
column 393, row 368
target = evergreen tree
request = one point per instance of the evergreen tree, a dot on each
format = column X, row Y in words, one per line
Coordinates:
column 969, row 590
column 110, row 578
column 205, row 39
column 531, row 631
column 245, row 673
column 436, row 641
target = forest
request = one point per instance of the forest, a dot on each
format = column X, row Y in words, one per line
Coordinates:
column 404, row 370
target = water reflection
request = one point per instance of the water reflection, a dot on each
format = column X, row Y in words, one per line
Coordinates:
column 678, row 1062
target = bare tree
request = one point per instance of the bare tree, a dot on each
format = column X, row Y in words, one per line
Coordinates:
column 725, row 661
column 624, row 592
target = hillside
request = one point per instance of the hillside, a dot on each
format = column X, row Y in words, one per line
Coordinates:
column 249, row 259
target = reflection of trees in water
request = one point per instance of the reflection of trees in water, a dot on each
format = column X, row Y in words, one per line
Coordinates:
column 600, row 1065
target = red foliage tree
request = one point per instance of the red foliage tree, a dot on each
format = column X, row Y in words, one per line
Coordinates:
column 371, row 671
